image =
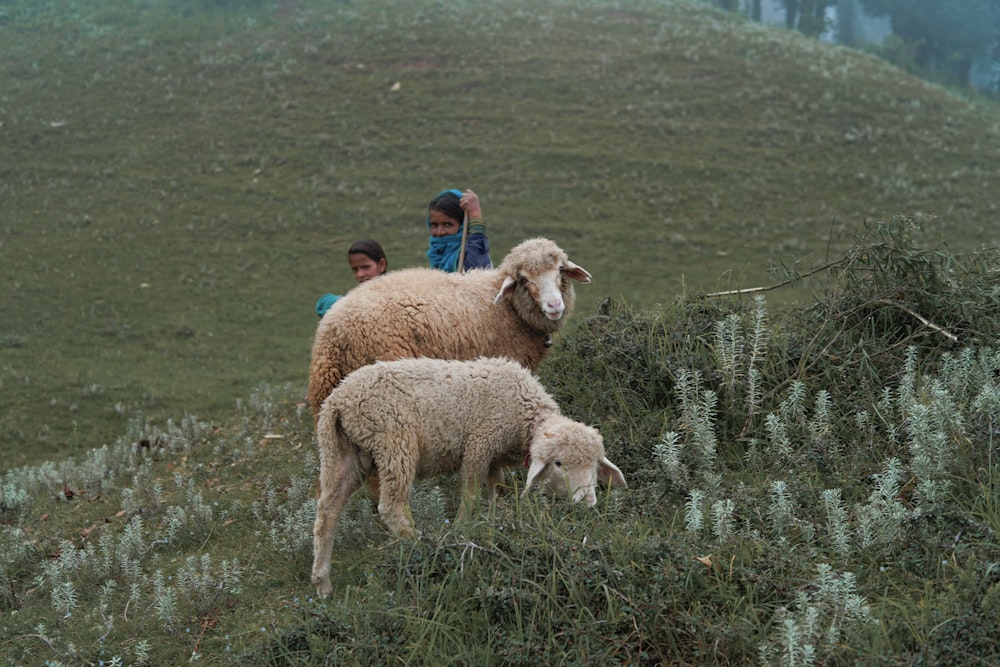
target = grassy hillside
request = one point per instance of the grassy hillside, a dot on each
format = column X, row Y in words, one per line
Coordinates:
column 816, row 484
column 179, row 184
column 815, row 487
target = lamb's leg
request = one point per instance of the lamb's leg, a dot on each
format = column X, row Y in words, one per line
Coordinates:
column 372, row 482
column 473, row 475
column 497, row 482
column 394, row 506
column 336, row 486
column 468, row 503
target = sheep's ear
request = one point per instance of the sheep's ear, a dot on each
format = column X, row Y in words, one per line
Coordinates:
column 608, row 473
column 577, row 272
column 505, row 289
column 534, row 470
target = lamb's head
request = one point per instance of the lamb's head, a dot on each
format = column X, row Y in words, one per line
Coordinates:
column 567, row 457
column 536, row 276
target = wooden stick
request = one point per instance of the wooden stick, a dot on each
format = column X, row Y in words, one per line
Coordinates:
column 941, row 330
column 751, row 290
column 461, row 252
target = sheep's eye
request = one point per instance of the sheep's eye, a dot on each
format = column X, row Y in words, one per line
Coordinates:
column 558, row 463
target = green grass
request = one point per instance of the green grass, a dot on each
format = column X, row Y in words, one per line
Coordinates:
column 843, row 512
column 181, row 181
column 179, row 186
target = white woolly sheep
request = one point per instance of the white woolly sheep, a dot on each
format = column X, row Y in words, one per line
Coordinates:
column 511, row 311
column 413, row 418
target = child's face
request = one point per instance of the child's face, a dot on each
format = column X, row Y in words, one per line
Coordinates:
column 441, row 224
column 364, row 267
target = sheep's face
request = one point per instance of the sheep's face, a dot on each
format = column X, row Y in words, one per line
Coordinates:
column 567, row 458
column 546, row 287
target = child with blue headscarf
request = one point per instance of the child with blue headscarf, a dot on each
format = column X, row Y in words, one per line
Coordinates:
column 445, row 215
column 367, row 260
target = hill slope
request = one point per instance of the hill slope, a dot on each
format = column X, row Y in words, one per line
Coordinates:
column 179, row 186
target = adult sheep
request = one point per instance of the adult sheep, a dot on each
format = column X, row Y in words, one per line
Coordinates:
column 412, row 418
column 511, row 311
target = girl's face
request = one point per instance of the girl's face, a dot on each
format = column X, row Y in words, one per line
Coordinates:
column 441, row 224
column 364, row 267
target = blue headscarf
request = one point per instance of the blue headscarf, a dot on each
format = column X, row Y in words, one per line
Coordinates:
column 444, row 250
column 325, row 302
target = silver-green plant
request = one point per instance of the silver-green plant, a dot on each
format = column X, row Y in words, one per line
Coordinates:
column 931, row 455
column 174, row 521
column 705, row 439
column 286, row 514
column 13, row 496
column 880, row 520
column 694, row 517
column 697, row 417
column 203, row 585
column 759, row 334
column 964, row 373
column 813, row 627
column 906, row 390
column 65, row 565
column 792, row 431
column 687, row 386
column 107, row 617
column 723, row 522
column 935, row 430
column 779, row 443
column 144, row 495
column 793, row 408
column 130, row 549
column 187, row 434
column 986, row 410
column 64, row 598
column 738, row 352
column 837, row 522
column 193, row 517
column 780, row 511
column 729, row 351
column 142, row 650
column 667, row 453
column 820, row 425
column 264, row 407
column 164, row 599
column 17, row 554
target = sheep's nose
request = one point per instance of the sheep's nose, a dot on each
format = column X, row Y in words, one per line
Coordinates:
column 586, row 493
column 554, row 309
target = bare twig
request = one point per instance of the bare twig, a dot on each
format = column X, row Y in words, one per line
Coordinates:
column 768, row 288
column 941, row 330
column 466, row 548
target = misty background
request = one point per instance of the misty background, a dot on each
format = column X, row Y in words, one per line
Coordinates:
column 953, row 42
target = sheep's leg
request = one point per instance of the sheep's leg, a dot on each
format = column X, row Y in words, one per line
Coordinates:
column 469, row 502
column 398, row 517
column 337, row 483
column 394, row 506
column 495, row 481
column 473, row 476
column 372, row 482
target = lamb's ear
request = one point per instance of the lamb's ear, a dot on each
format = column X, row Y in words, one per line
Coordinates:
column 608, row 473
column 534, row 470
column 505, row 289
column 577, row 272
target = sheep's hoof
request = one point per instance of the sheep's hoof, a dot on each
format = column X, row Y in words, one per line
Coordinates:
column 323, row 586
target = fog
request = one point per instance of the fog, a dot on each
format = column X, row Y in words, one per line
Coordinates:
column 955, row 42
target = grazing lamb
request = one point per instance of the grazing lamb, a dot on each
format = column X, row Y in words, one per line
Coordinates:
column 414, row 418
column 511, row 311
